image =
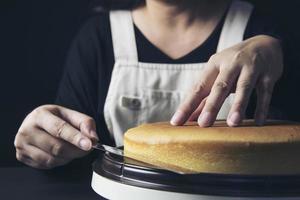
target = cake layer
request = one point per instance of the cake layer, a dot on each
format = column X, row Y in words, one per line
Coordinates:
column 248, row 149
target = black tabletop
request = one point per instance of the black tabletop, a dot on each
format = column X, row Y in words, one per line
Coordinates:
column 29, row 183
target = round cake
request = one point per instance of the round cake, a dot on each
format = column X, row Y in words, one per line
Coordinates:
column 273, row 149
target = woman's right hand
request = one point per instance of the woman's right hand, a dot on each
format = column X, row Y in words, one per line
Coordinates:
column 52, row 136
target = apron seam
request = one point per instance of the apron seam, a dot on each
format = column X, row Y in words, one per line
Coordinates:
column 163, row 67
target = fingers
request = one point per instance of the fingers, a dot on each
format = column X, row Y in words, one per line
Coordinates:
column 197, row 94
column 244, row 87
column 264, row 95
column 59, row 128
column 220, row 90
column 28, row 161
column 80, row 121
column 38, row 149
column 54, row 146
column 198, row 111
column 46, row 139
column 37, row 158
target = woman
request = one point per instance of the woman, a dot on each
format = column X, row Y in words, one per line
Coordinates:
column 131, row 67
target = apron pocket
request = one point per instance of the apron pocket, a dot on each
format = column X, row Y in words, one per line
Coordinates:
column 160, row 105
column 130, row 110
column 151, row 106
column 130, row 102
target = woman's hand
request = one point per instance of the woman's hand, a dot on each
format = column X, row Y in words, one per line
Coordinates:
column 255, row 63
column 51, row 136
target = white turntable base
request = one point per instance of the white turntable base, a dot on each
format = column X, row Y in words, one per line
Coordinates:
column 114, row 190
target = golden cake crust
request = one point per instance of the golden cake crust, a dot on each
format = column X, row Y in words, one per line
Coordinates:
column 248, row 149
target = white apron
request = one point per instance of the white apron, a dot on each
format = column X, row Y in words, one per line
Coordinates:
column 150, row 92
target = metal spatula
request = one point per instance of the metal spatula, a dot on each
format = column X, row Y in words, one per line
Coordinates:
column 109, row 149
column 119, row 152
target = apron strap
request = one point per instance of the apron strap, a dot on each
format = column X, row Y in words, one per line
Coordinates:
column 235, row 24
column 123, row 36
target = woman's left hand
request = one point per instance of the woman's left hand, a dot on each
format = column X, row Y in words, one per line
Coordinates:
column 256, row 63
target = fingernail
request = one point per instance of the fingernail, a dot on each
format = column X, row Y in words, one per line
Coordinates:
column 205, row 119
column 85, row 144
column 234, row 119
column 176, row 119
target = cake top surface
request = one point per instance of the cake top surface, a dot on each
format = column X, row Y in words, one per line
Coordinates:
column 163, row 132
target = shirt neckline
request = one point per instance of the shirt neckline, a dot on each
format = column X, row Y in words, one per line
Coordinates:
column 185, row 58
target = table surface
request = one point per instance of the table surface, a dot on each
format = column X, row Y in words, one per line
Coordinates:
column 29, row 183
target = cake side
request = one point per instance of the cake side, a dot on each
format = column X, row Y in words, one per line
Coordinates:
column 227, row 159
column 229, row 156
column 163, row 132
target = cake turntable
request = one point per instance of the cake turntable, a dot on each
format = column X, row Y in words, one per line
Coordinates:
column 115, row 177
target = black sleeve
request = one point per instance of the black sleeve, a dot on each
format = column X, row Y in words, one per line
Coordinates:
column 261, row 23
column 86, row 77
column 78, row 87
column 87, row 72
column 284, row 104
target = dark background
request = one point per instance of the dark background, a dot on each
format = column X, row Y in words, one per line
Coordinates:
column 34, row 38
